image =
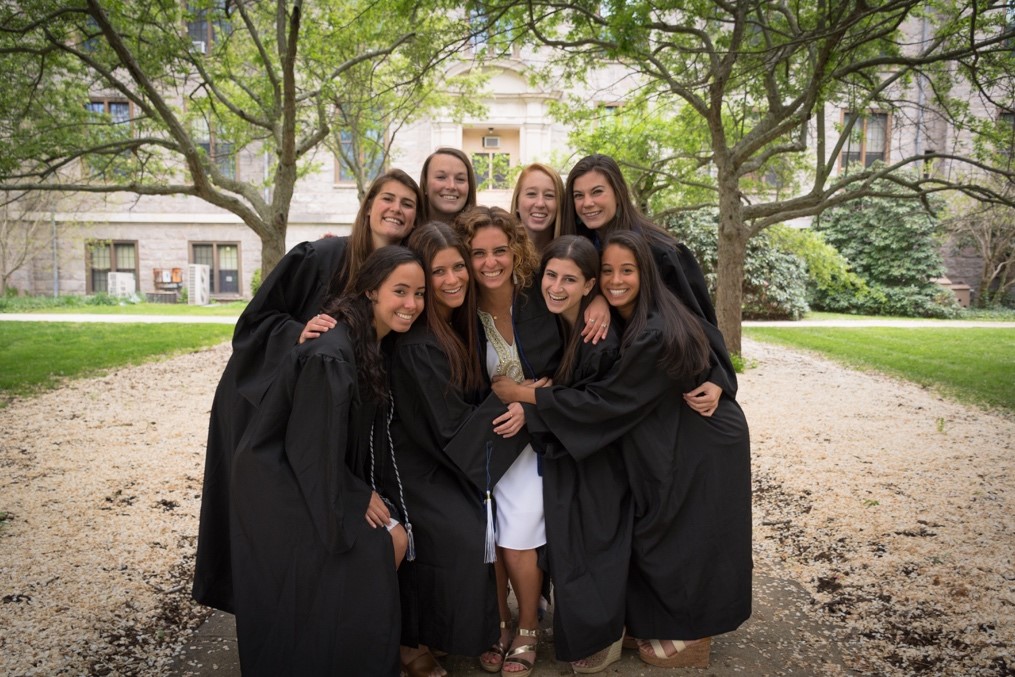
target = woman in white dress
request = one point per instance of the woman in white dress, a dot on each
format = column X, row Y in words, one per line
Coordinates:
column 519, row 340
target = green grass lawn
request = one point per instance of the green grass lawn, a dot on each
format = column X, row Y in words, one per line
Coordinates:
column 973, row 365
column 232, row 309
column 36, row 356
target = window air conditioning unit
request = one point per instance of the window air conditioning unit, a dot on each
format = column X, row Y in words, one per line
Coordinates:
column 198, row 284
column 199, row 46
column 121, row 284
column 491, row 142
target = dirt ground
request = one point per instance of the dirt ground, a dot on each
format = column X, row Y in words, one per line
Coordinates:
column 892, row 506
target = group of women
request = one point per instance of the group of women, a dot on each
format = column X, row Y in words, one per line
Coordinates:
column 459, row 400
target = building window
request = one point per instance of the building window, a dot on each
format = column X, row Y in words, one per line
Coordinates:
column 367, row 153
column 105, row 257
column 118, row 111
column 219, row 151
column 92, row 36
column 112, row 125
column 492, row 170
column 868, row 139
column 1007, row 123
column 479, row 28
column 207, row 24
column 1010, row 15
column 223, row 258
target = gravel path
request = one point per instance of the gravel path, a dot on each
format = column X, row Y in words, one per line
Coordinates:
column 891, row 506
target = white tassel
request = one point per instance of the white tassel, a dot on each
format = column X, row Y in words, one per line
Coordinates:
column 410, row 554
column 491, row 541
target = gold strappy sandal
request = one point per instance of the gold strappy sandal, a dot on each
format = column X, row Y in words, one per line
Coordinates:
column 515, row 655
column 492, row 660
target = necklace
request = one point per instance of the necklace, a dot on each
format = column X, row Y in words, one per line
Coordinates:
column 496, row 314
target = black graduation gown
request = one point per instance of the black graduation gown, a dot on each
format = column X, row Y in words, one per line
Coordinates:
column 682, row 275
column 589, row 517
column 690, row 569
column 265, row 332
column 441, row 438
column 315, row 586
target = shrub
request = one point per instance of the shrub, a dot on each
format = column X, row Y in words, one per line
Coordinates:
column 775, row 280
column 828, row 273
column 893, row 245
column 255, row 282
column 101, row 299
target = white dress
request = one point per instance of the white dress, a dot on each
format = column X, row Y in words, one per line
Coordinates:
column 519, row 493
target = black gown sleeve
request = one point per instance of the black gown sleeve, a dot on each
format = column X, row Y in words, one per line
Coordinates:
column 587, row 418
column 270, row 325
column 682, row 275
column 593, row 364
column 317, row 441
column 430, row 407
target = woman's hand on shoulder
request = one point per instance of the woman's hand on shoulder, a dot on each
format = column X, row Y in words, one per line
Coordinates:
column 597, row 320
column 317, row 325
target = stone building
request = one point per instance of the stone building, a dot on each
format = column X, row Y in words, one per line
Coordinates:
column 156, row 239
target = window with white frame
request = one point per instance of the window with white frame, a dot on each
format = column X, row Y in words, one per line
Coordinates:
column 223, row 258
column 103, row 257
column 492, row 170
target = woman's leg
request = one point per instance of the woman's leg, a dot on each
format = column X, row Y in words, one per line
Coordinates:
column 527, row 581
column 493, row 659
column 400, row 541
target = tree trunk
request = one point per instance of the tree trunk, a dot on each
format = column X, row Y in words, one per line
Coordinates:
column 272, row 250
column 733, row 236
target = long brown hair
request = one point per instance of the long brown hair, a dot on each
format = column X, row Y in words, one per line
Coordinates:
column 686, row 349
column 579, row 251
column 354, row 308
column 457, row 339
column 361, row 241
column 470, row 199
column 524, row 257
column 628, row 216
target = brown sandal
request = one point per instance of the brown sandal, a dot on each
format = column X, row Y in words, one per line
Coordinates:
column 492, row 659
column 422, row 665
column 515, row 655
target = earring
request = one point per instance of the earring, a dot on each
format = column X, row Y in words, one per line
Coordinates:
column 514, row 278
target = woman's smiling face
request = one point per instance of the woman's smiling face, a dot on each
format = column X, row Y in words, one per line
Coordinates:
column 620, row 279
column 564, row 286
column 449, row 276
column 399, row 300
column 447, row 185
column 537, row 201
column 492, row 259
column 595, row 201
